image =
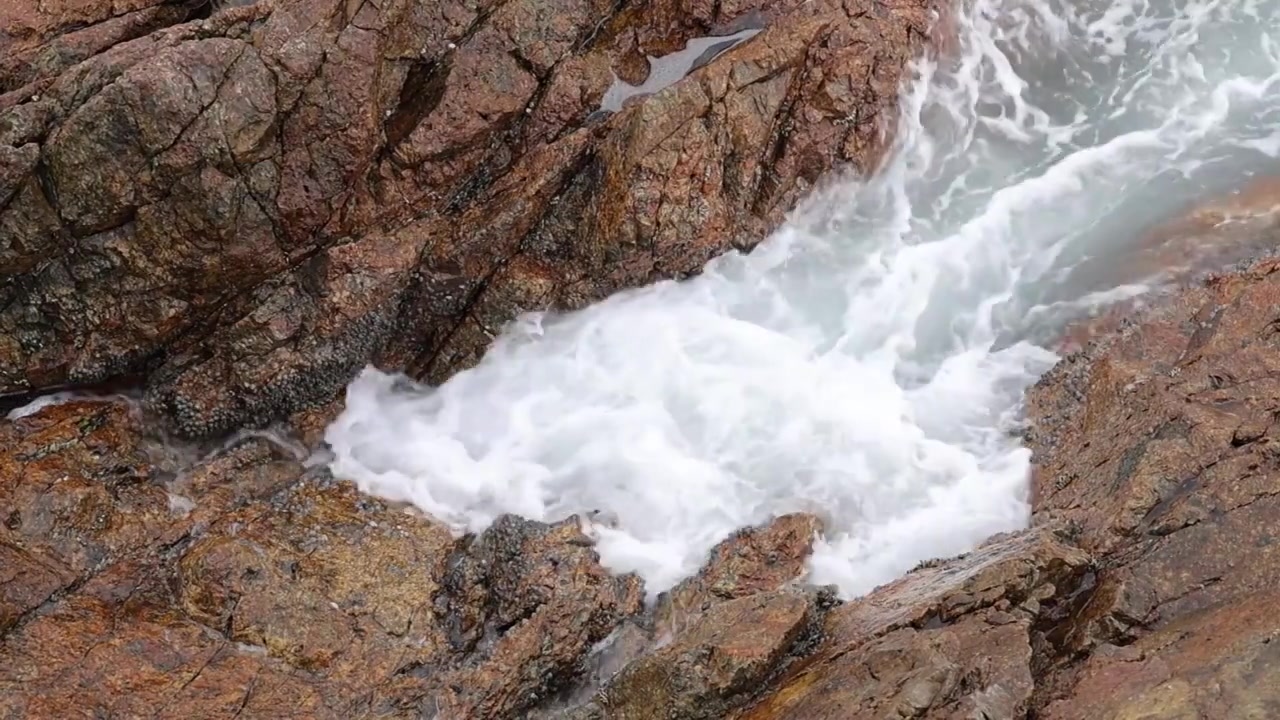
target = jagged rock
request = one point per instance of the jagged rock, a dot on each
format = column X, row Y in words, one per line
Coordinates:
column 248, row 206
column 1156, row 446
column 241, row 582
column 528, row 601
column 1219, row 663
column 39, row 40
column 956, row 638
column 724, row 658
column 311, row 330
column 171, row 192
column 1211, row 235
column 753, row 560
column 706, row 165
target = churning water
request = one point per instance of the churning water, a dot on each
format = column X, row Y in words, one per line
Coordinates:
column 867, row 362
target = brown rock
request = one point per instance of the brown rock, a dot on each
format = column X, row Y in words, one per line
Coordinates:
column 952, row 639
column 529, row 601
column 723, row 659
column 39, row 40
column 255, row 202
column 142, row 583
column 1155, row 446
column 116, row 648
column 311, row 331
column 1219, row 663
column 1211, row 235
column 753, row 560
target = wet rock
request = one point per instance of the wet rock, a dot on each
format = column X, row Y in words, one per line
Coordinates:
column 39, row 40
column 753, row 560
column 310, row 331
column 249, row 206
column 74, row 493
column 708, row 164
column 241, row 582
column 722, row 660
column 954, row 638
column 1155, row 446
column 1211, row 235
column 1219, row 663
column 528, row 601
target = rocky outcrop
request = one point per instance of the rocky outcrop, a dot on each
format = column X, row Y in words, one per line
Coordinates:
column 718, row 663
column 243, row 584
column 246, row 584
column 958, row 638
column 1209, row 235
column 1156, row 447
column 1140, row 592
column 239, row 204
column 244, row 203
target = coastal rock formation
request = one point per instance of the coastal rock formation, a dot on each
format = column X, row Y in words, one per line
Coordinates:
column 1156, row 447
column 246, row 584
column 245, row 208
column 238, row 204
column 958, row 638
column 243, row 583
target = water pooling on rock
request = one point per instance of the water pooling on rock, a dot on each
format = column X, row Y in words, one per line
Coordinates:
column 669, row 69
column 867, row 362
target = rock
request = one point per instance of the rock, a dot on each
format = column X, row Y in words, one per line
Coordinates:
column 167, row 209
column 528, row 601
column 241, row 582
column 955, row 638
column 1209, row 236
column 40, row 40
column 1219, row 663
column 723, row 659
column 1155, row 447
column 707, row 165
column 311, row 330
column 753, row 560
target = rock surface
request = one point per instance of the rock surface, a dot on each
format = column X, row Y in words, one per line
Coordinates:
column 249, row 206
column 959, row 638
column 1212, row 234
column 242, row 203
column 248, row 584
column 243, row 584
column 1157, row 447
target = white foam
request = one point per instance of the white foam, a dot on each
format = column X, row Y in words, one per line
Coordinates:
column 867, row 362
column 41, row 402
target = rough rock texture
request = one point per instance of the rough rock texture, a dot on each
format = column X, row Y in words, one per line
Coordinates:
column 752, row 560
column 245, row 585
column 237, row 581
column 1157, row 447
column 959, row 638
column 242, row 203
column 247, row 207
column 723, row 659
column 1142, row 592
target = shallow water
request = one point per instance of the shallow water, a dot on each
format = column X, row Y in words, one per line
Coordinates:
column 867, row 361
column 669, row 69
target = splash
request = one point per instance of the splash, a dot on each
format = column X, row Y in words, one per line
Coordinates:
column 867, row 362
